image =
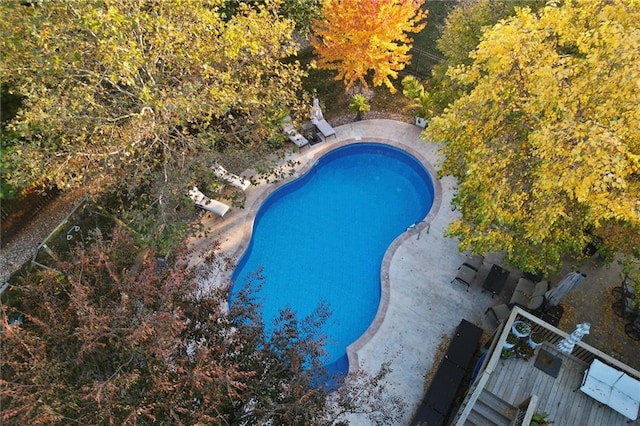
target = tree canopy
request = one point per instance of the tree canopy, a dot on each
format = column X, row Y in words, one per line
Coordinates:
column 356, row 37
column 461, row 34
column 141, row 94
column 545, row 143
column 120, row 338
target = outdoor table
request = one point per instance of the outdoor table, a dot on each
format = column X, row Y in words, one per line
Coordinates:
column 494, row 283
column 552, row 315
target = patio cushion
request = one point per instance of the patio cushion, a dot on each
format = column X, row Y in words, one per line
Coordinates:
column 519, row 298
column 540, row 289
column 525, row 287
column 535, row 303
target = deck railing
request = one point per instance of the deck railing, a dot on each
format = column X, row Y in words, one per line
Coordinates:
column 525, row 412
column 582, row 352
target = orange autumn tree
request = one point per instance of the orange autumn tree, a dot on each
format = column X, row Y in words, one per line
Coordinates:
column 355, row 37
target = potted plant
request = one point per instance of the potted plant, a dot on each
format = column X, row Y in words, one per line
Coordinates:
column 507, row 353
column 540, row 419
column 521, row 329
column 535, row 340
column 524, row 351
column 414, row 90
column 359, row 104
column 510, row 342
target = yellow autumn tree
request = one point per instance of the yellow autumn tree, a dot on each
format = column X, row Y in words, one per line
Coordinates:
column 546, row 145
column 355, row 37
column 141, row 96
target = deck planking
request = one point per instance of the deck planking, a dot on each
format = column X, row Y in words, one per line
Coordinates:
column 514, row 380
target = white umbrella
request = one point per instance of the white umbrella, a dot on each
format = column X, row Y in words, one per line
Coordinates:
column 570, row 280
column 566, row 345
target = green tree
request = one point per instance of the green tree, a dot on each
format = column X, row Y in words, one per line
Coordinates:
column 460, row 36
column 356, row 37
column 123, row 339
column 302, row 12
column 142, row 95
column 545, row 144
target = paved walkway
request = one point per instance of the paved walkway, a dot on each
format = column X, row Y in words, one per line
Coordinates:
column 420, row 305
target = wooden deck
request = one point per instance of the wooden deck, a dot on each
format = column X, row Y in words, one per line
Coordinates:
column 514, row 380
column 521, row 384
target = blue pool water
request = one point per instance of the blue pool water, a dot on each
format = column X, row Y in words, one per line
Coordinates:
column 322, row 237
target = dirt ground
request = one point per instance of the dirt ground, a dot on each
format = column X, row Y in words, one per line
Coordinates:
column 591, row 302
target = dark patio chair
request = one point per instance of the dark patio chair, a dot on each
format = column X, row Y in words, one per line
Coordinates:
column 499, row 312
column 465, row 275
column 474, row 261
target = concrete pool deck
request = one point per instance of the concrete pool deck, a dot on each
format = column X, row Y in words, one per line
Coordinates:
column 420, row 305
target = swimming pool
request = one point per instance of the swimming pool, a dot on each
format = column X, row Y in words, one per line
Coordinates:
column 323, row 236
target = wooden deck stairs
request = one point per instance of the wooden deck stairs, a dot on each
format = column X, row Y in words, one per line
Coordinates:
column 491, row 410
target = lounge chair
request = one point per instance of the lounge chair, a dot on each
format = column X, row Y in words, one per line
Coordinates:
column 207, row 203
column 465, row 275
column 291, row 132
column 474, row 261
column 318, row 120
column 235, row 180
column 499, row 312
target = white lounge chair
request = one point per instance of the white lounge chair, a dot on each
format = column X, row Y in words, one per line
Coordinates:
column 317, row 118
column 207, row 203
column 291, row 132
column 235, row 180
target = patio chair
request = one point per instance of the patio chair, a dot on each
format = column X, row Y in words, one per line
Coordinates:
column 465, row 275
column 234, row 180
column 318, row 120
column 529, row 295
column 474, row 261
column 291, row 132
column 207, row 203
column 499, row 312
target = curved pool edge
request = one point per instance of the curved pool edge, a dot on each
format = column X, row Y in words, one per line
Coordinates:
column 385, row 281
column 385, row 284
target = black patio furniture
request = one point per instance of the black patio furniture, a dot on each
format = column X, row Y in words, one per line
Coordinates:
column 440, row 396
column 465, row 275
column 474, row 261
column 626, row 289
column 464, row 344
column 632, row 329
column 499, row 312
column 494, row 283
column 625, row 308
column 552, row 315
